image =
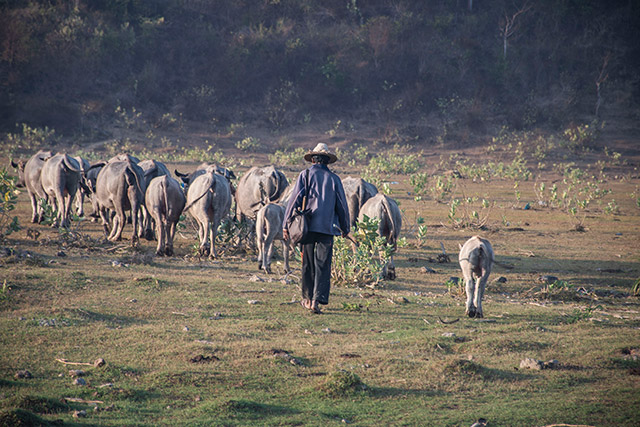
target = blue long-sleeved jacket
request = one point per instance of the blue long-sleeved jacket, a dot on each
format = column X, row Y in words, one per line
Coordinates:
column 326, row 200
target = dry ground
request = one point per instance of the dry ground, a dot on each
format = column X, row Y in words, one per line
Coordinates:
column 149, row 317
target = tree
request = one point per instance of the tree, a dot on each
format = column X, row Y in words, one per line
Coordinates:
column 508, row 26
column 602, row 77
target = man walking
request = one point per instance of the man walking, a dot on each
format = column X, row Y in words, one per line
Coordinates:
column 329, row 216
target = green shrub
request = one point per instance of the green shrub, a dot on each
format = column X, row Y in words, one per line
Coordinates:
column 342, row 383
column 30, row 139
column 578, row 137
column 288, row 158
column 465, row 213
column 8, row 199
column 248, row 144
column 395, row 162
column 364, row 267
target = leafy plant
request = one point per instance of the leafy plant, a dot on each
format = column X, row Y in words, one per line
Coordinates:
column 287, row 158
column 577, row 137
column 455, row 288
column 249, row 143
column 130, row 118
column 342, row 383
column 30, row 139
column 362, row 265
column 8, row 200
column 464, row 213
column 585, row 313
column 353, row 306
column 421, row 234
column 612, row 208
column 4, row 291
column 394, row 162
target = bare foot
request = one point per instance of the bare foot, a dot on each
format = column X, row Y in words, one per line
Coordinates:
column 315, row 308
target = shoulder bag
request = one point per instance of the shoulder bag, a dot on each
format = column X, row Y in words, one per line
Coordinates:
column 298, row 222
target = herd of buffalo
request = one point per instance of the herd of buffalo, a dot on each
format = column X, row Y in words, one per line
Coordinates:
column 146, row 189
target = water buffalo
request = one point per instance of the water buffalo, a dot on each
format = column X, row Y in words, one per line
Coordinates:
column 386, row 210
column 187, row 178
column 120, row 187
column 165, row 201
column 151, row 169
column 124, row 157
column 29, row 177
column 208, row 202
column 84, row 167
column 88, row 185
column 357, row 191
column 258, row 187
column 59, row 177
column 269, row 221
column 476, row 260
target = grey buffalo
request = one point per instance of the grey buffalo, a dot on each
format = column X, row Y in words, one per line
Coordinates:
column 60, row 176
column 29, row 177
column 120, row 187
column 258, row 187
column 269, row 221
column 124, row 157
column 386, row 210
column 88, row 185
column 208, row 202
column 187, row 178
column 165, row 201
column 357, row 191
column 84, row 167
column 476, row 260
column 151, row 169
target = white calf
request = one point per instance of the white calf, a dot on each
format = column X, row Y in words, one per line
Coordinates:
column 476, row 260
column 269, row 228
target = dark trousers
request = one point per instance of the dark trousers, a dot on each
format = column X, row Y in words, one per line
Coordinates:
column 317, row 251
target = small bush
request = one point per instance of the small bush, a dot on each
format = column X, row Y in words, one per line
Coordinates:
column 248, row 144
column 342, row 383
column 288, row 158
column 8, row 199
column 579, row 137
column 30, row 139
column 364, row 267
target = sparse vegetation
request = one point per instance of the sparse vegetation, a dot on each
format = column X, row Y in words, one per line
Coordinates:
column 362, row 265
column 8, row 198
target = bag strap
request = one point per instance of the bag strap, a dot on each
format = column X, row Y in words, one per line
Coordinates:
column 306, row 190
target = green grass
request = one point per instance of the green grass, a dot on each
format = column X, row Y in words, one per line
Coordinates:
column 371, row 359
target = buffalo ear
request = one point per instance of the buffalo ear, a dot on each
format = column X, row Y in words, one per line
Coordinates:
column 14, row 164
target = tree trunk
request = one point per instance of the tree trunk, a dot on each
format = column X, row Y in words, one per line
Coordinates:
column 504, row 47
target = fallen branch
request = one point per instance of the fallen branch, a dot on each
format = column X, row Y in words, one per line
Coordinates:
column 527, row 253
column 78, row 400
column 115, row 248
column 97, row 363
column 66, row 362
column 445, row 322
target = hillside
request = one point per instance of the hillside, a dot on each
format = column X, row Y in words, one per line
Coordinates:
column 433, row 71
